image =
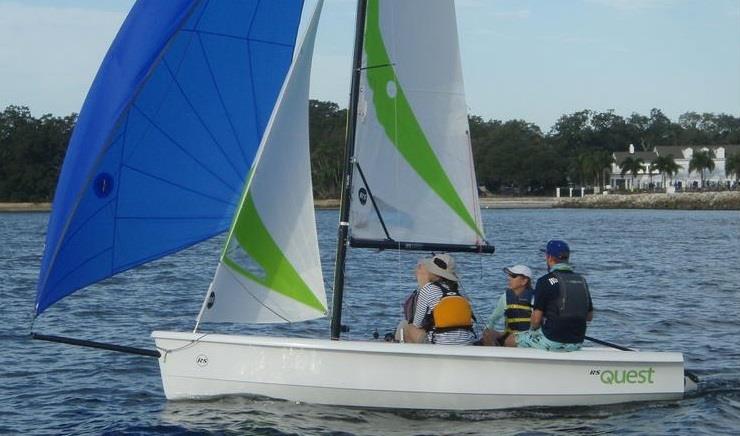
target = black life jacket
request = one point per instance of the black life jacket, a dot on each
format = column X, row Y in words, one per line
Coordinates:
column 518, row 310
column 573, row 298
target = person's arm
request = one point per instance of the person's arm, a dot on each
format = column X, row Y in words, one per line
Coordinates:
column 490, row 335
column 422, row 306
column 539, row 303
column 535, row 321
column 414, row 334
column 498, row 312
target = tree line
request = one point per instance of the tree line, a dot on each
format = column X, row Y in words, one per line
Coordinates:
column 511, row 157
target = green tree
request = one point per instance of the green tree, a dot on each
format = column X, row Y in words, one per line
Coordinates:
column 610, row 132
column 691, row 132
column 650, row 170
column 514, row 157
column 700, row 162
column 659, row 130
column 638, row 125
column 511, row 156
column 667, row 166
column 632, row 165
column 327, row 132
column 593, row 165
column 603, row 160
column 31, row 153
column 732, row 165
column 584, row 168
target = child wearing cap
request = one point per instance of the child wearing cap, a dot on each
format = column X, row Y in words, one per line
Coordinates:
column 514, row 306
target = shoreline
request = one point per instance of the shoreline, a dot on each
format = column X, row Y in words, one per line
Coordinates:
column 492, row 202
column 723, row 200
column 25, row 207
column 333, row 203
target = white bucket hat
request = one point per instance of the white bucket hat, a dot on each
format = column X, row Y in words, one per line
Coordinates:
column 521, row 270
column 442, row 265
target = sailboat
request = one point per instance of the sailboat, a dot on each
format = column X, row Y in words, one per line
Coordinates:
column 211, row 104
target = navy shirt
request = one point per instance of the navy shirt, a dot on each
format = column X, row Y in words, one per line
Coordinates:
column 546, row 292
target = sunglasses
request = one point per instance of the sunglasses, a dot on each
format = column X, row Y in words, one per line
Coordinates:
column 513, row 276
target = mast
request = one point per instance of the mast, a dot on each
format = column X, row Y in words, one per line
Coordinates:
column 349, row 151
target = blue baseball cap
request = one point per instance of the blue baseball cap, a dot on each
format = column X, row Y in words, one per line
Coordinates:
column 557, row 248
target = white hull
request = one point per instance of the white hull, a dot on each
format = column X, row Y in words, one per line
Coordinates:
column 387, row 375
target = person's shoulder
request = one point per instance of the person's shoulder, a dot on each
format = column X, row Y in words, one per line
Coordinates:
column 548, row 279
column 546, row 283
column 431, row 288
column 431, row 285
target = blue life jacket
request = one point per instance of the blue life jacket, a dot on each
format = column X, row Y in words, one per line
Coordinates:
column 518, row 310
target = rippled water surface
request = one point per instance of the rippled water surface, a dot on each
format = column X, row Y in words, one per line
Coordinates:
column 661, row 280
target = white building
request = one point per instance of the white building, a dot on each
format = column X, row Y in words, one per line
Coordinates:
column 682, row 155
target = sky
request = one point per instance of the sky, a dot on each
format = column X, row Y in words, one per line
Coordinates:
column 533, row 60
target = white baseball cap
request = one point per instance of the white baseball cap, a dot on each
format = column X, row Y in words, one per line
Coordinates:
column 521, row 270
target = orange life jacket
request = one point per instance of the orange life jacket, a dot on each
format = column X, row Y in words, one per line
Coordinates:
column 452, row 312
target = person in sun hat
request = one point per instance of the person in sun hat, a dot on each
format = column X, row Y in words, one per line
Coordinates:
column 436, row 312
column 561, row 307
column 514, row 306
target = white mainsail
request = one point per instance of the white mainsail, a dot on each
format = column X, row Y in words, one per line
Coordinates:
column 270, row 269
column 412, row 143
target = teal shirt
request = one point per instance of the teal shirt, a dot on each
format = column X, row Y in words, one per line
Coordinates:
column 498, row 313
column 561, row 267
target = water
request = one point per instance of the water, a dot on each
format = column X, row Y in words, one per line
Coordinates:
column 661, row 280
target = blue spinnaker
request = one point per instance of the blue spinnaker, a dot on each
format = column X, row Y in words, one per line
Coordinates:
column 166, row 136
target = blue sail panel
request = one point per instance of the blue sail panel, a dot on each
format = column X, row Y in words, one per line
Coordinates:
column 166, row 136
column 228, row 18
column 131, row 239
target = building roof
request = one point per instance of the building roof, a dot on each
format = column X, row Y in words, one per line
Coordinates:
column 646, row 156
column 667, row 150
column 731, row 149
column 677, row 150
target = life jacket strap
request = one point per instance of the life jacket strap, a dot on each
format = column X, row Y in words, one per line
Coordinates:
column 518, row 306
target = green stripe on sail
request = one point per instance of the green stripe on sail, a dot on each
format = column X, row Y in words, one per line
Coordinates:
column 280, row 276
column 400, row 123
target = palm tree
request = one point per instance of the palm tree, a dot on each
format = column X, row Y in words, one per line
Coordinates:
column 650, row 168
column 592, row 164
column 700, row 161
column 585, row 166
column 732, row 166
column 667, row 166
column 603, row 161
column 631, row 165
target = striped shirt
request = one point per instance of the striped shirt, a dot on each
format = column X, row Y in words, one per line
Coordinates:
column 428, row 297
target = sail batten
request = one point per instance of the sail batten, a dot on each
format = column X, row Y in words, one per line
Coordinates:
column 169, row 128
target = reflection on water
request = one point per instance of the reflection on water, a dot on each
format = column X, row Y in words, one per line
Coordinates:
column 661, row 280
column 246, row 415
